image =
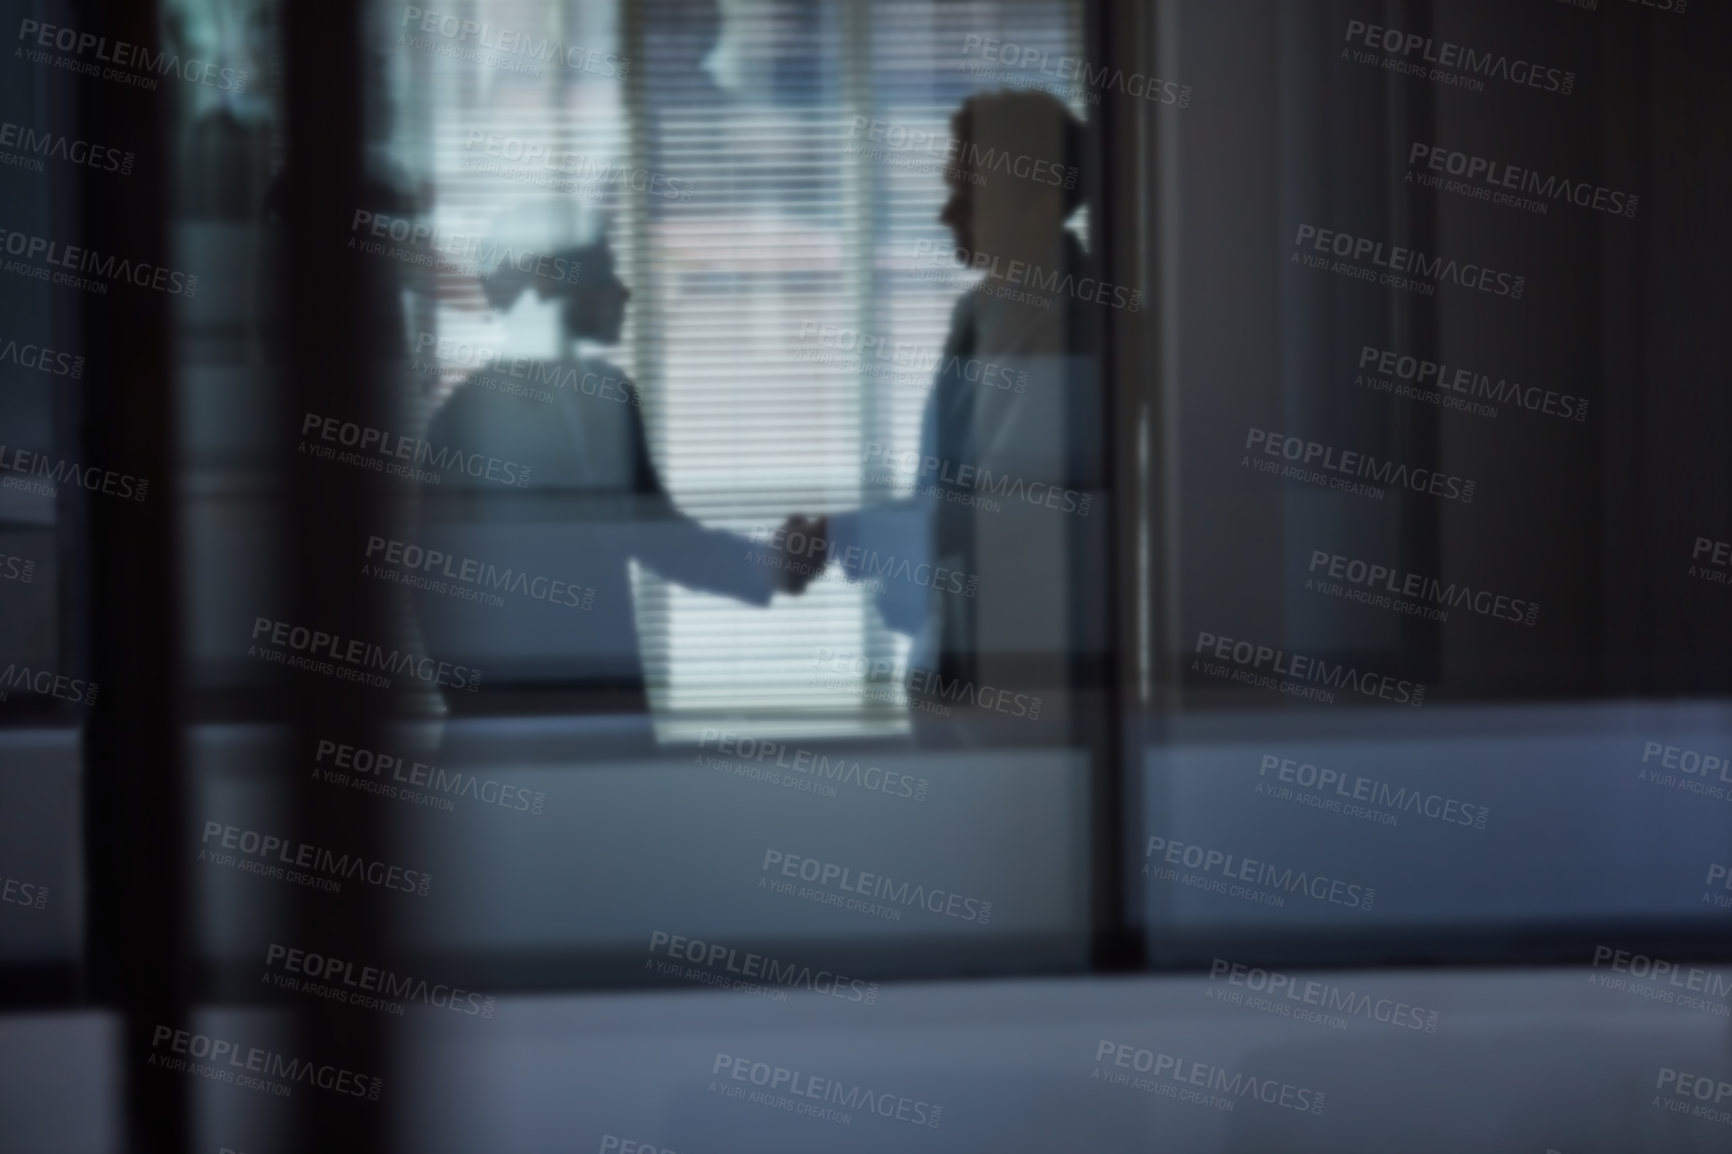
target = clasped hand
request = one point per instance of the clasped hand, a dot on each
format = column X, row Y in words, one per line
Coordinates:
column 804, row 547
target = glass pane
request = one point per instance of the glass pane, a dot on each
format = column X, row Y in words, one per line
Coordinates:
column 1434, row 567
column 688, row 283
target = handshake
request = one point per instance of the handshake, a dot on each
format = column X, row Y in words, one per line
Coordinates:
column 802, row 551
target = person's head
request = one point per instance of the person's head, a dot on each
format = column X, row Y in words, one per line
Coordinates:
column 1017, row 173
column 582, row 277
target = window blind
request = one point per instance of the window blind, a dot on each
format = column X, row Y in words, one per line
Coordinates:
column 759, row 241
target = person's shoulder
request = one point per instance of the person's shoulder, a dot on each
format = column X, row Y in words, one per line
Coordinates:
column 491, row 392
column 600, row 377
column 604, row 369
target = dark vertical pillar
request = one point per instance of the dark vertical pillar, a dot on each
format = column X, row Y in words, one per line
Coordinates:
column 344, row 334
column 1419, row 431
column 134, row 799
column 1107, row 675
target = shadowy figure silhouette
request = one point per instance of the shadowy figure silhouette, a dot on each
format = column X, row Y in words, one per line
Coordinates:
column 557, row 495
column 985, row 565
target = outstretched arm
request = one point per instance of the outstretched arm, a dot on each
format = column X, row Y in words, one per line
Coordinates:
column 881, row 543
column 690, row 554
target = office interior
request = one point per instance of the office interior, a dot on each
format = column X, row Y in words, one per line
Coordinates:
column 860, row 575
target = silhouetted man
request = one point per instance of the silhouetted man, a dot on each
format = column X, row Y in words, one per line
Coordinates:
column 539, row 536
column 988, row 564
